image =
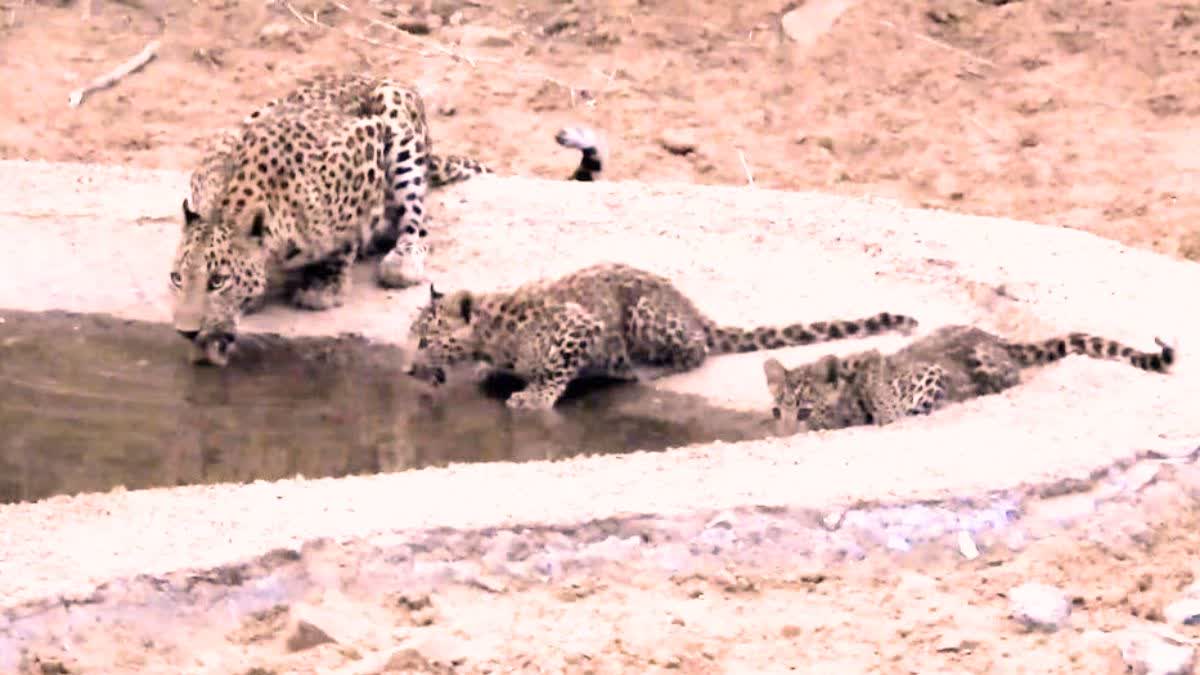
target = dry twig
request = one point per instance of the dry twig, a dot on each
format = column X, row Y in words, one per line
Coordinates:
column 746, row 168
column 116, row 75
column 939, row 43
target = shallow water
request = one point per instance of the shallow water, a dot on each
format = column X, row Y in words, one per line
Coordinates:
column 89, row 402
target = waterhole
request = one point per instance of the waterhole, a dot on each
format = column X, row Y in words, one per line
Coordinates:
column 89, row 402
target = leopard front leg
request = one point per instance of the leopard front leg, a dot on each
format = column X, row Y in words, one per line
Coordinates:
column 912, row 391
column 325, row 283
column 407, row 168
column 919, row 391
column 565, row 344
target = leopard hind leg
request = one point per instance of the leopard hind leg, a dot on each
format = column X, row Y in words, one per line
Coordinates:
column 992, row 369
column 663, row 340
column 325, row 283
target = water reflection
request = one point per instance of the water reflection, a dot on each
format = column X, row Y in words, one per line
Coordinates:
column 88, row 402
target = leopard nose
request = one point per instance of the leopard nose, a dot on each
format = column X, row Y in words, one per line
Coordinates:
column 189, row 334
column 803, row 414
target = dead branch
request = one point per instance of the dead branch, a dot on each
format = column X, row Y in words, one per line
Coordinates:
column 116, row 75
column 746, row 168
column 939, row 43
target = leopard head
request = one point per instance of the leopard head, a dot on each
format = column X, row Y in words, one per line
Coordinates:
column 805, row 396
column 441, row 335
column 219, row 272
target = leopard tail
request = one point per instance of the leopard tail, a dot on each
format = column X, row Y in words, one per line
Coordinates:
column 1053, row 349
column 446, row 169
column 735, row 340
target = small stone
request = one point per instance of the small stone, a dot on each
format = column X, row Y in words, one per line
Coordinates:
column 1184, row 612
column 1146, row 653
column 832, row 520
column 790, row 631
column 966, row 545
column 1039, row 606
column 407, row 660
column 956, row 642
column 678, row 141
column 418, row 26
column 442, row 650
column 724, row 519
column 274, row 32
column 307, row 636
column 487, row 583
column 485, row 36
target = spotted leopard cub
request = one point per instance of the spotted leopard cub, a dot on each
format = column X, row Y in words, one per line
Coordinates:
column 609, row 320
column 954, row 363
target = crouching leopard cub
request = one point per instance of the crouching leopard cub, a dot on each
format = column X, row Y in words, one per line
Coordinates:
column 308, row 183
column 954, row 363
column 608, row 320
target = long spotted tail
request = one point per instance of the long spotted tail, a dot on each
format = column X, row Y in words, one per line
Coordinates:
column 446, row 169
column 1053, row 349
column 732, row 340
column 584, row 140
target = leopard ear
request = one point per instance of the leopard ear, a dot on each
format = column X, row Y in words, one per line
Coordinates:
column 465, row 305
column 829, row 365
column 434, row 296
column 776, row 376
column 258, row 227
column 190, row 217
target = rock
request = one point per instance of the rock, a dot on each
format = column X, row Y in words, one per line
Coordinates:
column 307, row 636
column 1184, row 612
column 956, row 642
column 275, row 32
column 406, row 660
column 485, row 36
column 967, row 546
column 1039, row 606
column 1146, row 653
column 808, row 22
column 442, row 650
column 678, row 141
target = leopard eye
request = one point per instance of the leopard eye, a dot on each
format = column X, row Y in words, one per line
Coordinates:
column 423, row 233
column 422, row 343
column 775, row 413
column 409, row 229
column 217, row 281
column 176, row 279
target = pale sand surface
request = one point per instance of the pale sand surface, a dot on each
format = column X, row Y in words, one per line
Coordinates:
column 88, row 238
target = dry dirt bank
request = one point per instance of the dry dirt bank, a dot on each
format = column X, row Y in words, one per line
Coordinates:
column 1067, row 113
column 930, row 587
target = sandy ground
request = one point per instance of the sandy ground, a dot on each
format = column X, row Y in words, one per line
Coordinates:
column 1072, row 114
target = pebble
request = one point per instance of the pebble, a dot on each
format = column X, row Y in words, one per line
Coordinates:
column 1147, row 653
column 275, row 32
column 485, row 36
column 306, row 636
column 956, row 642
column 678, row 141
column 1039, row 606
column 1184, row 612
